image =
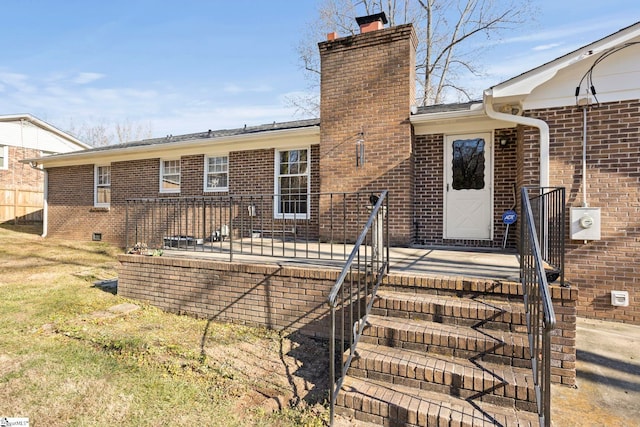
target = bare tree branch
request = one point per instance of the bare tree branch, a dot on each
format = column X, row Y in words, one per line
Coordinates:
column 444, row 28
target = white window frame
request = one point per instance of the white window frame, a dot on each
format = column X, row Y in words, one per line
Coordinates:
column 207, row 172
column 162, row 174
column 96, row 186
column 4, row 151
column 276, row 187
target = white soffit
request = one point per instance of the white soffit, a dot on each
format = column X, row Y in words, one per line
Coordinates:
column 472, row 120
column 285, row 138
column 521, row 86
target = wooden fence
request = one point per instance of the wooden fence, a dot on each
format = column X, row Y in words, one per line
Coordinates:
column 21, row 205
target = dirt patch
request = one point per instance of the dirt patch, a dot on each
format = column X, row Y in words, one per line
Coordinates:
column 287, row 372
column 8, row 364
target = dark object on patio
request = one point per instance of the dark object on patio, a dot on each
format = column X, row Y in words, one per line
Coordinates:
column 179, row 241
column 552, row 275
column 373, row 199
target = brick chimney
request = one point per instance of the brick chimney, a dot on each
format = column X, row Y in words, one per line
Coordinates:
column 372, row 22
column 366, row 92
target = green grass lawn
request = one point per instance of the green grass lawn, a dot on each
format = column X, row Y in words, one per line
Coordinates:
column 66, row 360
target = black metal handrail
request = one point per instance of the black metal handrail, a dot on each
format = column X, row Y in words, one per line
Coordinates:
column 309, row 225
column 354, row 292
column 548, row 209
column 540, row 315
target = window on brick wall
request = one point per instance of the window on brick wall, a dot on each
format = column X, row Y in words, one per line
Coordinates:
column 4, row 157
column 170, row 176
column 102, row 180
column 216, row 173
column 292, row 183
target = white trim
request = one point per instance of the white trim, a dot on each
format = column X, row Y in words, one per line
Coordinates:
column 206, row 173
column 160, row 178
column 522, row 85
column 45, row 203
column 277, row 139
column 276, row 198
column 463, row 121
column 95, row 186
column 5, row 157
column 44, row 125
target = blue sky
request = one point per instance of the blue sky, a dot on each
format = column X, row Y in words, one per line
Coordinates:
column 189, row 66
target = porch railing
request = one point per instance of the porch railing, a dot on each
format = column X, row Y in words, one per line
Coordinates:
column 541, row 209
column 354, row 292
column 548, row 210
column 320, row 226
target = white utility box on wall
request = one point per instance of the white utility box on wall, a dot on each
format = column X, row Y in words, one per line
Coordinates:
column 585, row 223
column 620, row 298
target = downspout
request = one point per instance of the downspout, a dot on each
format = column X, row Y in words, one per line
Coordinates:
column 542, row 126
column 45, row 211
column 45, row 207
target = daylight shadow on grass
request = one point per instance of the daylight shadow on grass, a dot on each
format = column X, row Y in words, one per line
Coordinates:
column 35, row 228
column 109, row 285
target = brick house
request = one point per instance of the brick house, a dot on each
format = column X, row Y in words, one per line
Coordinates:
column 23, row 136
column 527, row 131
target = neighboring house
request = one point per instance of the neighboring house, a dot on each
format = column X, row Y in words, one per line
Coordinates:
column 527, row 131
column 23, row 136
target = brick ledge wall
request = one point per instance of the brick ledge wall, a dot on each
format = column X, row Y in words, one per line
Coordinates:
column 290, row 298
column 280, row 298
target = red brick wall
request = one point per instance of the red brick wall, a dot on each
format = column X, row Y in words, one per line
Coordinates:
column 367, row 87
column 72, row 214
column 429, row 202
column 275, row 297
column 613, row 184
column 289, row 298
column 21, row 175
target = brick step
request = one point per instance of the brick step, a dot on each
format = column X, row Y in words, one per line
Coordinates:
column 478, row 312
column 505, row 347
column 473, row 380
column 396, row 405
column 453, row 285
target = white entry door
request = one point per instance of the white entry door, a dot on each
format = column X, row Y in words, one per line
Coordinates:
column 468, row 206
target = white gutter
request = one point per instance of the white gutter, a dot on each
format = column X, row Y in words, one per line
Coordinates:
column 542, row 126
column 265, row 139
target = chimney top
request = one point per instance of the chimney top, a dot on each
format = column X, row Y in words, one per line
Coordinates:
column 371, row 22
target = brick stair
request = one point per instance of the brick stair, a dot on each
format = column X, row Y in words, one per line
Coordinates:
column 453, row 354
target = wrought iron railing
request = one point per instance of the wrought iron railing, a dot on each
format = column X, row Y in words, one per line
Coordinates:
column 544, row 210
column 314, row 225
column 548, row 210
column 354, row 292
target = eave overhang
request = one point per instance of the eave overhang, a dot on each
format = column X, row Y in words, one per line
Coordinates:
column 516, row 89
column 473, row 119
column 281, row 139
column 44, row 125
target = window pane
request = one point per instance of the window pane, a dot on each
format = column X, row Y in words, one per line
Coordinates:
column 3, row 154
column 468, row 164
column 104, row 195
column 216, row 180
column 104, row 175
column 217, row 172
column 294, row 156
column 170, row 175
column 284, row 168
column 292, row 181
